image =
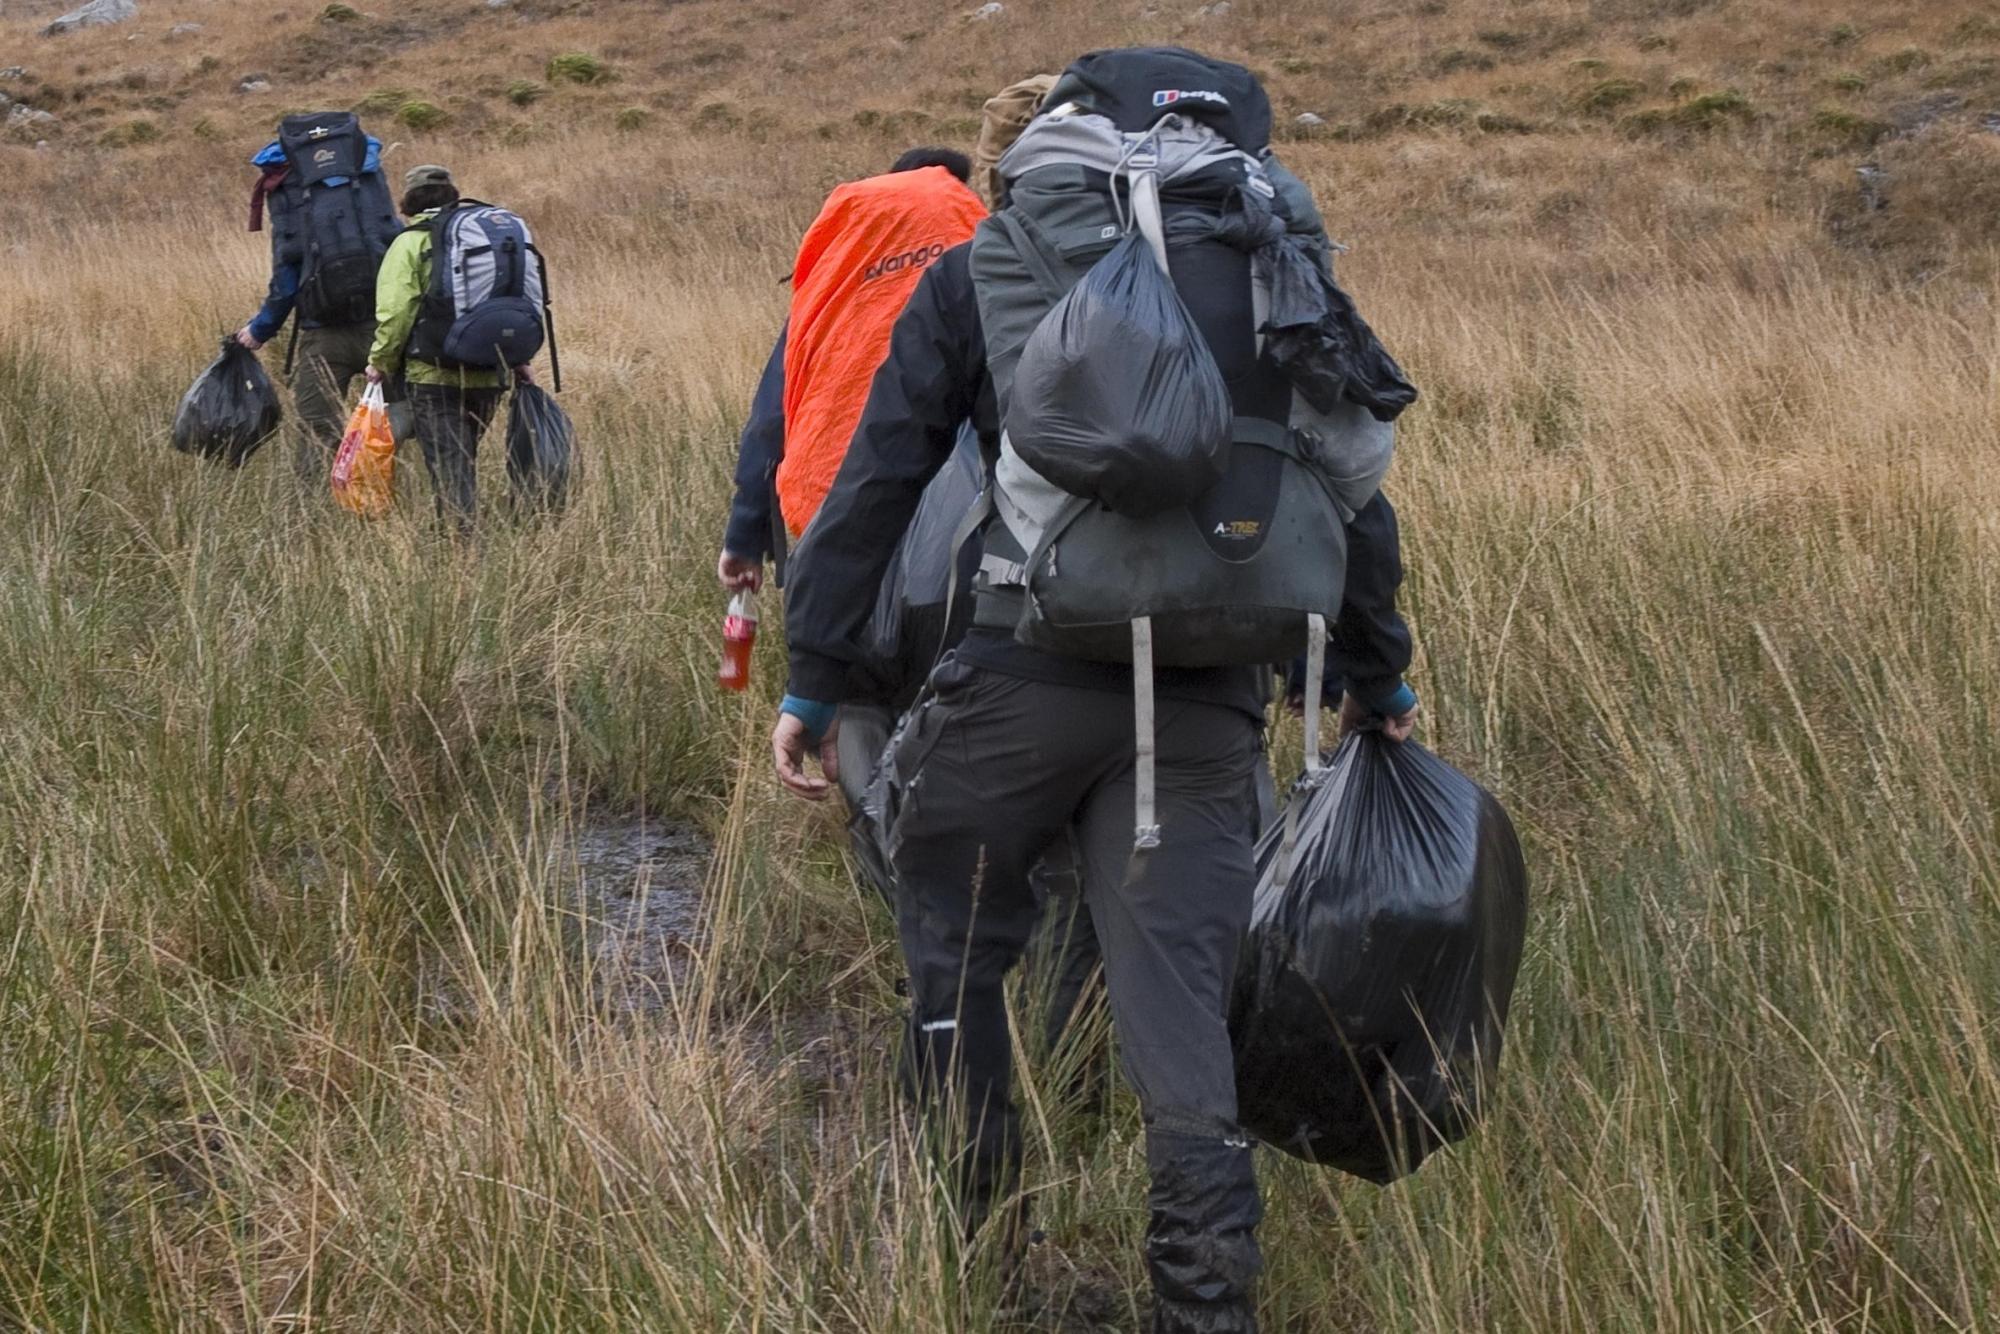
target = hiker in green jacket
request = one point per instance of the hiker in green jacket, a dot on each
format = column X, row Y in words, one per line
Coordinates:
column 451, row 409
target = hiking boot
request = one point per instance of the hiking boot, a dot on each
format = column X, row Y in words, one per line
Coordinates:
column 1201, row 1246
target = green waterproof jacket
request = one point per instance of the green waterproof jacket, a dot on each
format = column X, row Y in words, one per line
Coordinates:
column 399, row 294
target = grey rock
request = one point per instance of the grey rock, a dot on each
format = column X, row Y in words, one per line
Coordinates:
column 1914, row 118
column 23, row 114
column 499, row 4
column 95, row 14
column 254, row 85
column 1220, row 9
column 1873, row 180
column 1308, row 119
column 992, row 9
column 180, row 30
column 13, row 72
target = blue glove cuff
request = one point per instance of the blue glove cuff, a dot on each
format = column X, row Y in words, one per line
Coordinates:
column 817, row 715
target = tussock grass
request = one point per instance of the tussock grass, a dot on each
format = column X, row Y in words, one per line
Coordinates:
column 1699, row 510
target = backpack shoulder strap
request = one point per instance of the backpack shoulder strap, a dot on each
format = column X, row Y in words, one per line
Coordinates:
column 1021, row 233
column 549, row 322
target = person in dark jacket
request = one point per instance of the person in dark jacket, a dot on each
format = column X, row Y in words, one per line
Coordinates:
column 1014, row 748
column 1067, row 954
column 752, row 536
column 326, row 358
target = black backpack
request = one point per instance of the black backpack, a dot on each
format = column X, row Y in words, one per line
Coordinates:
column 332, row 217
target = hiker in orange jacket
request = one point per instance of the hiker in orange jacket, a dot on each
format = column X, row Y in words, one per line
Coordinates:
column 856, row 267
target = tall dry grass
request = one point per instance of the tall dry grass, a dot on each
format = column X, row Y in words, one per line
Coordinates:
column 299, row 1025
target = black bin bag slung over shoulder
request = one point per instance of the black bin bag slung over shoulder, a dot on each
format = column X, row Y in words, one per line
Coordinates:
column 230, row 410
column 920, row 611
column 1373, row 987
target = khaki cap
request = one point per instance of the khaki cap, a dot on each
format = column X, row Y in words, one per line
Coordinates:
column 417, row 176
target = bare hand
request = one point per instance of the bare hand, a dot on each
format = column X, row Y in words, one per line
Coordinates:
column 375, row 375
column 245, row 338
column 789, row 746
column 1354, row 715
column 524, row 374
column 739, row 572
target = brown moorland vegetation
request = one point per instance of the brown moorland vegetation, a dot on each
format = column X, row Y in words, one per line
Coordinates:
column 317, row 1013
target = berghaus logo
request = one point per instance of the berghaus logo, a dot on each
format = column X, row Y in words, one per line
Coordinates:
column 1166, row 97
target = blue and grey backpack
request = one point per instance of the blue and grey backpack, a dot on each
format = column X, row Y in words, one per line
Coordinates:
column 487, row 304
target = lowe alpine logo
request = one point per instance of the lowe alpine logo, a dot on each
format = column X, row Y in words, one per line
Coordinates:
column 323, row 156
column 909, row 259
column 1239, row 530
column 1166, row 97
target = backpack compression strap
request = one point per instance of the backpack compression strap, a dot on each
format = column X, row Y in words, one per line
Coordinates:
column 1315, row 767
column 549, row 323
column 1146, row 824
column 1146, row 828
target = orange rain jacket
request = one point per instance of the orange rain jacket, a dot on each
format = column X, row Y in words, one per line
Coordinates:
column 857, row 266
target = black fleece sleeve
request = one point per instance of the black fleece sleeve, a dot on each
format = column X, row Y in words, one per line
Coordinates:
column 1368, row 649
column 1370, row 644
column 923, row 391
column 758, row 454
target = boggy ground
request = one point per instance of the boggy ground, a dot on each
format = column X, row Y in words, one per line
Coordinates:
column 301, row 1020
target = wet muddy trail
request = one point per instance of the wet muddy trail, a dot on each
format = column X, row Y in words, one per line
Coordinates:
column 637, row 884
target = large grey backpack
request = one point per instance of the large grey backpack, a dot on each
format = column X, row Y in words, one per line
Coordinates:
column 487, row 304
column 1252, row 570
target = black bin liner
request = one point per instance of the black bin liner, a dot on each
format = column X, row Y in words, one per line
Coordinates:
column 1317, row 337
column 230, row 410
column 1371, row 992
column 541, row 450
column 907, row 632
column 1117, row 397
column 915, row 620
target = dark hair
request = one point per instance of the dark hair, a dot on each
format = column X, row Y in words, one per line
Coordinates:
column 953, row 161
column 423, row 198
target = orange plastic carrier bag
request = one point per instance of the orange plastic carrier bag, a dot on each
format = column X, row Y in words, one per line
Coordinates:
column 364, row 471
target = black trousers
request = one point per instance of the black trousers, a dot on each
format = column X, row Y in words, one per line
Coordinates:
column 995, row 771
column 1063, row 958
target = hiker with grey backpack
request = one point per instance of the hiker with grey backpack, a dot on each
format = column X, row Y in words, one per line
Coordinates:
column 331, row 220
column 461, row 311
column 1167, row 516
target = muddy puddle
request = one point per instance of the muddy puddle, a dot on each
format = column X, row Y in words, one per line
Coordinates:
column 637, row 893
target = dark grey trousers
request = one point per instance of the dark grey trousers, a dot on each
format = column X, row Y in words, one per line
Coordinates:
column 449, row 421
column 996, row 770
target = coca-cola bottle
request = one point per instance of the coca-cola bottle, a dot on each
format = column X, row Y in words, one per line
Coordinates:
column 739, row 637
